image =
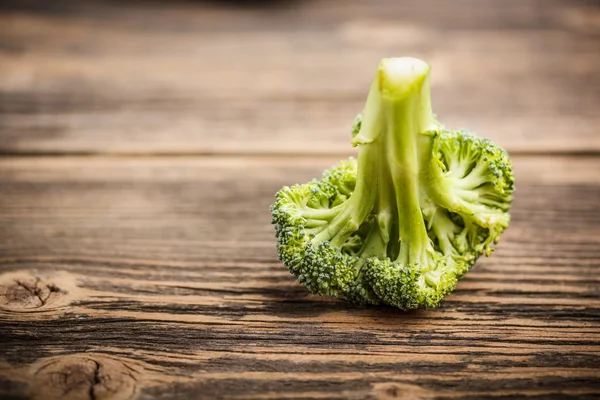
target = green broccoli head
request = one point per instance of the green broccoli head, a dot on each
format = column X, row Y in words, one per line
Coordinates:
column 410, row 217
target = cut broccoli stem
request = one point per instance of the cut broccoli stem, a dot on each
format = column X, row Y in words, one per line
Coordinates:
column 392, row 151
column 407, row 112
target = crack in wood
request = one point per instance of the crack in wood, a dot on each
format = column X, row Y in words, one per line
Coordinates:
column 29, row 291
column 84, row 375
column 95, row 380
column 38, row 291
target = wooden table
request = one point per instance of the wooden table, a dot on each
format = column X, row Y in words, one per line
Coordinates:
column 141, row 145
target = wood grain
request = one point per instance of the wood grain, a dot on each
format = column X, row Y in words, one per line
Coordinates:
column 287, row 77
column 141, row 144
column 157, row 278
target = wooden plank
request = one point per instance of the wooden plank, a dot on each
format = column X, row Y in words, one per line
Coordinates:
column 158, row 278
column 199, row 77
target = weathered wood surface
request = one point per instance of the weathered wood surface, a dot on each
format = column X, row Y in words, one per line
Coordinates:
column 288, row 76
column 155, row 276
column 158, row 278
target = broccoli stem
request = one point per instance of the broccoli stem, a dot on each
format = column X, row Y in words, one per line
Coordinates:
column 393, row 158
column 355, row 210
column 407, row 113
column 391, row 155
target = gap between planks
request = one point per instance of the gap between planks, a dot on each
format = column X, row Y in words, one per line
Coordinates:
column 318, row 153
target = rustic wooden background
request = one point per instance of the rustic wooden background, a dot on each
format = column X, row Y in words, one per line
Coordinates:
column 141, row 143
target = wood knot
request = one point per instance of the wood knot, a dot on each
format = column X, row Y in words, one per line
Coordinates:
column 85, row 376
column 24, row 291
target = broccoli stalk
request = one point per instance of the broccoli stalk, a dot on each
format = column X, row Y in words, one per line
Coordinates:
column 411, row 217
column 392, row 165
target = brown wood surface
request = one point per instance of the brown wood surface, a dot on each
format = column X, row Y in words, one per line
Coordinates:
column 197, row 77
column 142, row 142
column 166, row 270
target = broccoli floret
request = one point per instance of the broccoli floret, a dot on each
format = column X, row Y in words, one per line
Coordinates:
column 410, row 217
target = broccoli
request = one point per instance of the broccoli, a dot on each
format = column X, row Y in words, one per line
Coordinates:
column 404, row 222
